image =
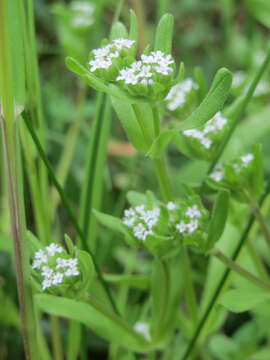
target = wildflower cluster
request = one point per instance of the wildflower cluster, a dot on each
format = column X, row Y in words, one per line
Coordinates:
column 151, row 76
column 172, row 222
column 82, row 14
column 200, row 141
column 188, row 220
column 142, row 221
column 106, row 61
column 181, row 94
column 241, row 176
column 54, row 266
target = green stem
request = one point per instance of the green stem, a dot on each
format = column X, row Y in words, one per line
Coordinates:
column 264, row 228
column 191, row 296
column 163, row 178
column 257, row 261
column 148, row 140
column 56, row 339
column 250, row 223
column 156, row 118
column 160, row 163
column 11, row 151
column 67, row 207
column 240, row 270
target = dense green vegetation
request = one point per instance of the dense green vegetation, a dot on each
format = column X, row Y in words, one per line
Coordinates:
column 135, row 179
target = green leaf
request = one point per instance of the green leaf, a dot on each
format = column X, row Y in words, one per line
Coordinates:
column 212, row 103
column 75, row 67
column 136, row 198
column 133, row 31
column 181, row 73
column 129, row 122
column 164, row 139
column 96, row 317
column 119, row 31
column 114, row 224
column 159, row 293
column 240, row 300
column 69, row 245
column 134, row 281
column 164, row 34
column 87, row 269
column 218, row 218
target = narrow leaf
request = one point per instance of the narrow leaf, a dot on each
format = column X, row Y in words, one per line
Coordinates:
column 212, row 103
column 97, row 318
column 240, row 300
column 164, row 34
column 218, row 219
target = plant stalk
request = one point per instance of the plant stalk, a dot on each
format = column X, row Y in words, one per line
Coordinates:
column 11, row 151
column 240, row 270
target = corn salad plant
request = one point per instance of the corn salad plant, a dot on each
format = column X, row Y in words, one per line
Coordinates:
column 154, row 246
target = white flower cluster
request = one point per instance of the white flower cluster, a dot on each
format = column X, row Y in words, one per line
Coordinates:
column 82, row 13
column 212, row 126
column 146, row 70
column 172, row 206
column 217, row 174
column 143, row 329
column 193, row 213
column 244, row 161
column 54, row 269
column 142, row 221
column 177, row 95
column 103, row 57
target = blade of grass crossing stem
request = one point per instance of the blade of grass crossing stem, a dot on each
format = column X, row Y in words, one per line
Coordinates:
column 13, row 175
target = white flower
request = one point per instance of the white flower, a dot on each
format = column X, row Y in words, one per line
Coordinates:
column 141, row 232
column 217, row 174
column 181, row 227
column 145, row 70
column 246, row 159
column 192, row 226
column 193, row 212
column 82, row 13
column 177, row 95
column 141, row 220
column 212, row 126
column 172, row 206
column 143, row 328
column 187, row 228
column 57, row 278
column 238, row 79
column 46, row 272
column 103, row 57
column 53, row 249
column 46, row 283
column 57, row 268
